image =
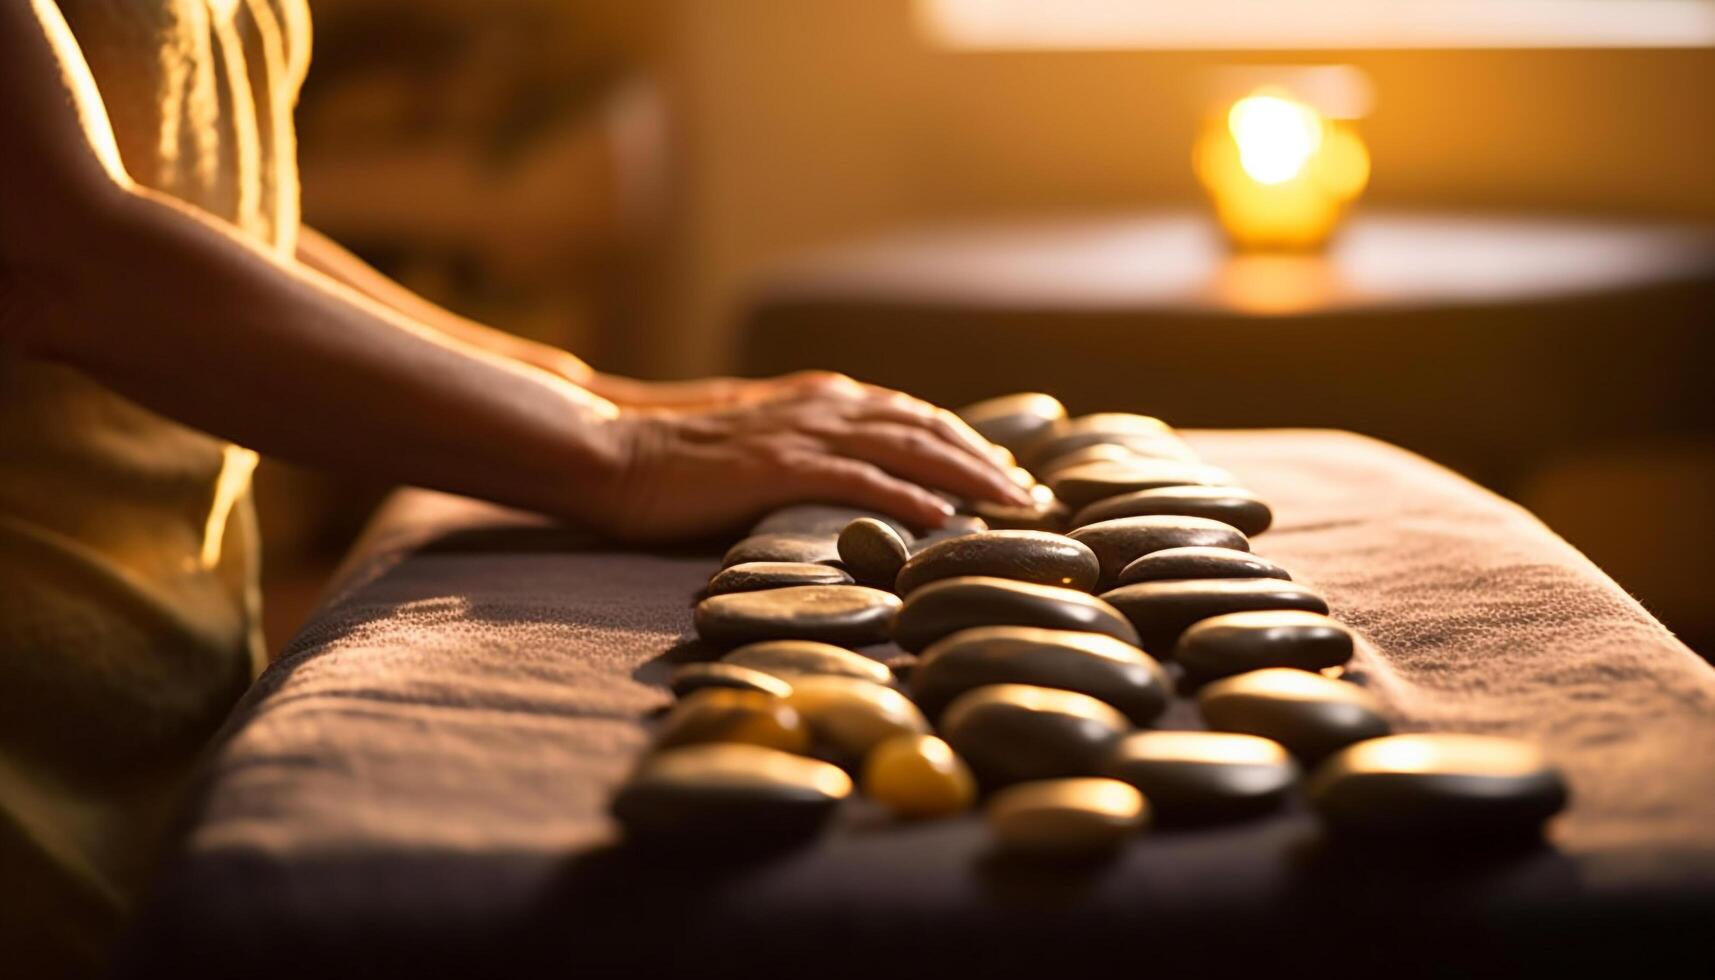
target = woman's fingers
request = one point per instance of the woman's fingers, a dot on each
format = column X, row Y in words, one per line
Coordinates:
column 906, row 436
column 976, row 453
column 886, row 404
column 841, row 479
column 916, row 454
column 896, row 407
column 822, row 438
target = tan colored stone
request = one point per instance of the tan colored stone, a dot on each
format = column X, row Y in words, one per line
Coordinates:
column 791, row 659
column 1066, row 817
column 734, row 716
column 872, row 552
column 853, row 716
column 918, row 776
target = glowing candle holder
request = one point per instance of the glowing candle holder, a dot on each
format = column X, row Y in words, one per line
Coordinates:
column 1280, row 173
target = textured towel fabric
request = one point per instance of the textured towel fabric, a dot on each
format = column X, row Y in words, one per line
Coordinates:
column 420, row 782
column 129, row 608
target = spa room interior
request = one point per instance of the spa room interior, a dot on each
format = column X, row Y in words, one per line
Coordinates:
column 1340, row 372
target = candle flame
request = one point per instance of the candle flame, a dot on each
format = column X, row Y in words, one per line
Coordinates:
column 1276, row 136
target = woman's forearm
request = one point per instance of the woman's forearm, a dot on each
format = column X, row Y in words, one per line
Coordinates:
column 178, row 312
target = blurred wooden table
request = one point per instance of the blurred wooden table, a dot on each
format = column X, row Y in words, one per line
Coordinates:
column 1478, row 340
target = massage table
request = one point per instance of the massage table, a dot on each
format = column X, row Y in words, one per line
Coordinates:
column 418, row 785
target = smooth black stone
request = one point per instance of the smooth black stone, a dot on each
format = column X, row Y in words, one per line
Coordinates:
column 1046, row 513
column 872, row 551
column 1105, row 668
column 820, row 521
column 1161, row 611
column 804, row 658
column 1229, row 505
column 845, row 615
column 961, row 524
column 1080, row 486
column 1462, row 787
column 1222, row 646
column 1099, row 452
column 691, row 678
column 1014, row 421
column 1313, row 716
column 1026, row 556
column 1142, row 432
column 950, row 605
column 1169, row 564
column 957, row 526
column 728, row 795
column 1119, row 542
column 1159, row 451
column 1117, row 423
column 1065, row 452
column 1197, row 776
column 795, row 548
column 753, row 576
column 1011, row 733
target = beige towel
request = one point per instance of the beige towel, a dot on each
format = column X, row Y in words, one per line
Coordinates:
column 128, row 599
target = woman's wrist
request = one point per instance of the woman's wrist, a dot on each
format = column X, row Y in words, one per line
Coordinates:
column 608, row 485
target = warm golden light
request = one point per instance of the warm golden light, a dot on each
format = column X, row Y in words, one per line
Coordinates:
column 1223, row 748
column 1481, row 755
column 1276, row 136
column 1281, row 175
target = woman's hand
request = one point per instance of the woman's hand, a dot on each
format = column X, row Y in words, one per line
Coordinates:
column 184, row 314
column 814, row 437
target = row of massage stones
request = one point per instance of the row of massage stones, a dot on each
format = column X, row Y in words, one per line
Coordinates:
column 1022, row 686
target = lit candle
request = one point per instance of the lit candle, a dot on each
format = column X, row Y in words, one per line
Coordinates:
column 1281, row 175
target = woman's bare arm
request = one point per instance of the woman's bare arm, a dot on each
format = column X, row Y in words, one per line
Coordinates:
column 180, row 312
column 176, row 310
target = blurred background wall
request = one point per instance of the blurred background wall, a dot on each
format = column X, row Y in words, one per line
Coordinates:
column 808, row 123
column 615, row 175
